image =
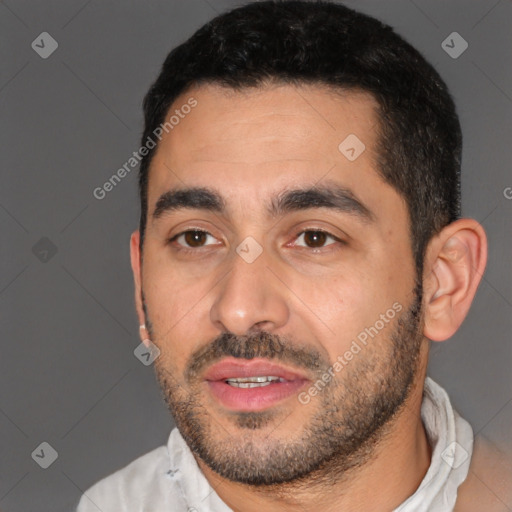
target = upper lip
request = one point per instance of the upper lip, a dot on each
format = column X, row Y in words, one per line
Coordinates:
column 235, row 368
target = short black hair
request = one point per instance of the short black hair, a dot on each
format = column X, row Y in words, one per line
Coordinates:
column 319, row 42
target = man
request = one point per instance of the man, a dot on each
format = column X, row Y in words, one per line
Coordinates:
column 299, row 245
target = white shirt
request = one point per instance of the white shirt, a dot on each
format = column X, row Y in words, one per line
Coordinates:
column 168, row 478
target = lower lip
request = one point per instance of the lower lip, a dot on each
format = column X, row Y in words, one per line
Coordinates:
column 253, row 399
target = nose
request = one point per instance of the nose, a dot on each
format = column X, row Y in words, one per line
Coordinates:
column 250, row 298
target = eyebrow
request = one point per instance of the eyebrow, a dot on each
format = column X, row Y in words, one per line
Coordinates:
column 196, row 198
column 331, row 196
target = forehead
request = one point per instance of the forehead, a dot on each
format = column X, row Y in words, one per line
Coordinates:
column 255, row 142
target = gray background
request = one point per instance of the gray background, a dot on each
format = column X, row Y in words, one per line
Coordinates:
column 68, row 375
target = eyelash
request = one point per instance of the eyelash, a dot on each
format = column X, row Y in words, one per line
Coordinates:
column 303, row 231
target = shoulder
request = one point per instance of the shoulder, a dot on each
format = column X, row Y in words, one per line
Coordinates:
column 142, row 483
column 488, row 485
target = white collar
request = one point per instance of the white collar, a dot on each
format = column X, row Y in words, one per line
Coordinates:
column 449, row 435
column 451, row 439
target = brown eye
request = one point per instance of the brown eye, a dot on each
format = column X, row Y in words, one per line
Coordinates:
column 195, row 238
column 314, row 239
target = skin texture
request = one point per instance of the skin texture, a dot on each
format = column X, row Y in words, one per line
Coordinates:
column 489, row 482
column 250, row 146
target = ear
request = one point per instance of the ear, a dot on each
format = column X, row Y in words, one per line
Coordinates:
column 135, row 257
column 454, row 264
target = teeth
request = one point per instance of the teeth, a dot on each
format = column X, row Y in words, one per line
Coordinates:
column 248, row 384
column 253, row 382
column 253, row 379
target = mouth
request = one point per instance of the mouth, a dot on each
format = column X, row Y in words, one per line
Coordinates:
column 252, row 385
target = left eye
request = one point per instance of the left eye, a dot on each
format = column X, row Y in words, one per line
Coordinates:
column 314, row 239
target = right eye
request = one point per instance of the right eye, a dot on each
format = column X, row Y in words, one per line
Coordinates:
column 191, row 239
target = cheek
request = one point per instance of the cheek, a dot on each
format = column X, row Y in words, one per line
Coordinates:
column 170, row 291
column 342, row 308
column 332, row 309
column 175, row 306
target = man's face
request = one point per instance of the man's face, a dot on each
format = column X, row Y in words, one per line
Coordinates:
column 295, row 256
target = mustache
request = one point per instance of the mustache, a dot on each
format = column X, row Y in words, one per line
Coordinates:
column 259, row 345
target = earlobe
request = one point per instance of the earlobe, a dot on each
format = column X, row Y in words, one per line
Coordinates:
column 144, row 335
column 137, row 277
column 454, row 266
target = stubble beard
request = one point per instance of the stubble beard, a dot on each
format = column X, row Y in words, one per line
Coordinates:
column 352, row 413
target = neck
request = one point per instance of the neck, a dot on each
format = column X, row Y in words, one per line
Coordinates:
column 392, row 473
